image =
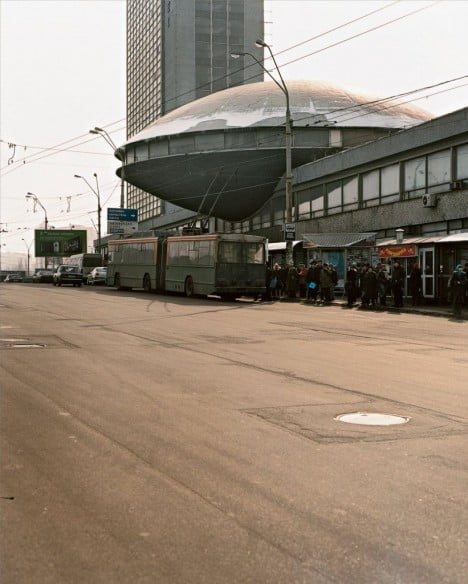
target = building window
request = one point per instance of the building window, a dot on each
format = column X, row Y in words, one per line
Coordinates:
column 334, row 197
column 462, row 162
column 278, row 211
column 390, row 183
column 303, row 203
column 439, row 171
column 317, row 206
column 370, row 188
column 350, row 193
column 415, row 177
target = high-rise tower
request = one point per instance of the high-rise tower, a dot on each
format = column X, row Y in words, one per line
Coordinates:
column 180, row 50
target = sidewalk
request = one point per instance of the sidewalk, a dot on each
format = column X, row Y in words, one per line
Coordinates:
column 428, row 310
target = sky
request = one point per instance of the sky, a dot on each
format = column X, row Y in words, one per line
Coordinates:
column 62, row 72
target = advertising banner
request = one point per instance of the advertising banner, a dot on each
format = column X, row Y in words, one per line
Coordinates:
column 123, row 221
column 58, row 243
column 397, row 251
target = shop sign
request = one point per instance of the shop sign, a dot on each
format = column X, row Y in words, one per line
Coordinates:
column 397, row 251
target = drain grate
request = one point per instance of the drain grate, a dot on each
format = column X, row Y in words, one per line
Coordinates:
column 372, row 419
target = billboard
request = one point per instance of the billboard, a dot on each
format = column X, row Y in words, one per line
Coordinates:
column 58, row 243
column 124, row 221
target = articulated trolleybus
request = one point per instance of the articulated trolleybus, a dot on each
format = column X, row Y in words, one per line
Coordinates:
column 224, row 264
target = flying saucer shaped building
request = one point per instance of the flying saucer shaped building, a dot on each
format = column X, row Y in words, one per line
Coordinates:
column 224, row 154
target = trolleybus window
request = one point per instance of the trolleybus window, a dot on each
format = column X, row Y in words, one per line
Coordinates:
column 231, row 252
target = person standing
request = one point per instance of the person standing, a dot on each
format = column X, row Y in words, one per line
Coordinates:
column 334, row 277
column 369, row 288
column 457, row 286
column 382, row 283
column 415, row 284
column 292, row 282
column 326, row 283
column 275, row 282
column 302, row 280
column 397, row 283
column 351, row 285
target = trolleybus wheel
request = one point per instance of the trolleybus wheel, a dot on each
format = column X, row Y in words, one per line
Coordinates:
column 117, row 282
column 147, row 283
column 188, row 287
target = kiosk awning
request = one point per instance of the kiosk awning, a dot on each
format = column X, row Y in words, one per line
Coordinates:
column 338, row 240
column 281, row 245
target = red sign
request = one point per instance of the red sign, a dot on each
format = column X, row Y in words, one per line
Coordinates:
column 397, row 251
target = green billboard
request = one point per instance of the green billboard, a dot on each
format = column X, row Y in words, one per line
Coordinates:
column 58, row 243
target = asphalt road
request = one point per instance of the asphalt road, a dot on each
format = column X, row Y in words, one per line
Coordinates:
column 158, row 439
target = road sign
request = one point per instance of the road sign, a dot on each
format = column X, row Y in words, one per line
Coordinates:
column 123, row 221
column 289, row 231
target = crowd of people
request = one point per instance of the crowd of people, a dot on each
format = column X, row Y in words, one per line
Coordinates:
column 371, row 285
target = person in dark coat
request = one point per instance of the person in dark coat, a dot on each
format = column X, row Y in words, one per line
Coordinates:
column 457, row 286
column 369, row 288
column 352, row 284
column 275, row 283
column 268, row 277
column 382, row 283
column 415, row 284
column 334, row 276
column 292, row 282
column 326, row 284
column 302, row 271
column 283, row 277
column 313, row 280
column 398, row 283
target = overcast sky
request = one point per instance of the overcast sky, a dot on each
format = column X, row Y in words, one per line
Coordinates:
column 63, row 72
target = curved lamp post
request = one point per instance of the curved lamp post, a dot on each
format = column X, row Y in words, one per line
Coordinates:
column 288, row 143
column 29, row 250
column 96, row 192
column 112, row 144
column 36, row 201
column 46, row 222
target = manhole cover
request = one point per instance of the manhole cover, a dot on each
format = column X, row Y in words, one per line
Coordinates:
column 372, row 419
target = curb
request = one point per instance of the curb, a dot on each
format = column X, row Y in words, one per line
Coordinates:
column 404, row 310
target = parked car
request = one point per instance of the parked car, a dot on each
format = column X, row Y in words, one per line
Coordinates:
column 14, row 278
column 42, row 276
column 97, row 276
column 68, row 275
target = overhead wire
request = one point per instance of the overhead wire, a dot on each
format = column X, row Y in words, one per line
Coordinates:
column 334, row 29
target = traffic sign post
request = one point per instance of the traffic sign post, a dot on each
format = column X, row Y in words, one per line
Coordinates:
column 289, row 232
column 123, row 221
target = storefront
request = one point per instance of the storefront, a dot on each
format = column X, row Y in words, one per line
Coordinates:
column 437, row 256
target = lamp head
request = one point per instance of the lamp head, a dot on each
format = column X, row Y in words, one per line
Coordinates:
column 98, row 129
column 93, row 131
column 259, row 43
column 77, row 176
column 236, row 55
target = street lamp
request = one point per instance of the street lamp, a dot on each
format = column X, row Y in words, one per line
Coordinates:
column 96, row 192
column 112, row 144
column 29, row 249
column 288, row 177
column 46, row 222
column 36, row 201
